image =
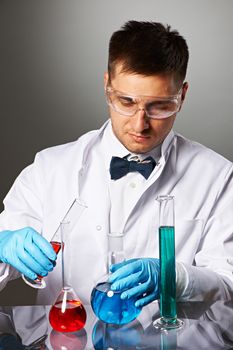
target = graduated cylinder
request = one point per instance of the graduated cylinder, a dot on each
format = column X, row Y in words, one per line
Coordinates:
column 167, row 259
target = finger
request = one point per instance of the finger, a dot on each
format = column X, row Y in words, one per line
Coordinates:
column 147, row 299
column 127, row 282
column 43, row 244
column 126, row 270
column 34, row 265
column 136, row 291
column 30, row 253
column 26, row 271
column 115, row 267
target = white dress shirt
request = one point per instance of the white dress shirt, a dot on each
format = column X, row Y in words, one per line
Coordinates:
column 124, row 192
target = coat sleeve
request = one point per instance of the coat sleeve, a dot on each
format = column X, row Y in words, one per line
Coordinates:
column 22, row 208
column 212, row 275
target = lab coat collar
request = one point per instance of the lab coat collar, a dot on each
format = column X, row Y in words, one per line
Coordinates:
column 84, row 162
column 165, row 149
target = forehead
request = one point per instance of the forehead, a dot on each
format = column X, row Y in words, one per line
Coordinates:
column 137, row 84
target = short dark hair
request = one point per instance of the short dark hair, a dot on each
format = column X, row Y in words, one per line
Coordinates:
column 148, row 48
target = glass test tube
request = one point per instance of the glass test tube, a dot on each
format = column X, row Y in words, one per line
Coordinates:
column 168, row 318
column 72, row 213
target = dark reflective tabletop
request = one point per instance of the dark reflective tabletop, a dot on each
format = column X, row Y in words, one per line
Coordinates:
column 206, row 326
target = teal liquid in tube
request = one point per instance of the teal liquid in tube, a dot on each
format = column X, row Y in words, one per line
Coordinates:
column 167, row 273
column 168, row 319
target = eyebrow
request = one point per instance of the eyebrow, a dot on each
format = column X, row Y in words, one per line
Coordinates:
column 124, row 94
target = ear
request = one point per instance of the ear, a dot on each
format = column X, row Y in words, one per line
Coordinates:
column 184, row 90
column 105, row 80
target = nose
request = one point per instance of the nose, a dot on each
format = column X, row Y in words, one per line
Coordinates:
column 140, row 121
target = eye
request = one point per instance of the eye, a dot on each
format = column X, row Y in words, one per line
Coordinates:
column 161, row 105
column 126, row 101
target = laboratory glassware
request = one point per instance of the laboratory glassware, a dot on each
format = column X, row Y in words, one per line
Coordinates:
column 106, row 303
column 39, row 282
column 67, row 314
column 168, row 319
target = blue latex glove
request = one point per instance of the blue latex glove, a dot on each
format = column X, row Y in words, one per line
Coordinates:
column 138, row 278
column 27, row 251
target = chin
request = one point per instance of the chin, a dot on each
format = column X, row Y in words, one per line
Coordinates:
column 137, row 149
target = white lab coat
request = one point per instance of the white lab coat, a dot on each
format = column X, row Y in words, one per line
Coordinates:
column 200, row 180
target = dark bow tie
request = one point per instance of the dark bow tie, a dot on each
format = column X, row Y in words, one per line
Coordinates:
column 119, row 167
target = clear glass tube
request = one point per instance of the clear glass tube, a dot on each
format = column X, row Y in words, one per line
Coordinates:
column 168, row 319
column 115, row 249
column 39, row 282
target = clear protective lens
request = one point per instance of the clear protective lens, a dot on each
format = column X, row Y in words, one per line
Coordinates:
column 158, row 108
column 161, row 108
column 122, row 104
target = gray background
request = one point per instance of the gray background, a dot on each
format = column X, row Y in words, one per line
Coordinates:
column 53, row 54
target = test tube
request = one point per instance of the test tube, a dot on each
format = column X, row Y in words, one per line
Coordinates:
column 168, row 319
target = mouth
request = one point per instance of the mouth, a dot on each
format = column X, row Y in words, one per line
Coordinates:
column 139, row 138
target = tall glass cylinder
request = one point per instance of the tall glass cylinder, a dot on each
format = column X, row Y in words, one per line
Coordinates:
column 168, row 319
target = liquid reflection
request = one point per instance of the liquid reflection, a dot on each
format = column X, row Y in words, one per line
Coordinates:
column 108, row 336
column 206, row 327
column 68, row 341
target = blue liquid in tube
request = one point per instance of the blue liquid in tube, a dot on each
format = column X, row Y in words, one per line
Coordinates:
column 110, row 308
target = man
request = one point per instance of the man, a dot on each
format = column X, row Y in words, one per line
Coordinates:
column 145, row 88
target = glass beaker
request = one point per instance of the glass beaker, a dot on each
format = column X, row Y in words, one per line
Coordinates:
column 39, row 282
column 168, row 319
column 106, row 303
column 67, row 314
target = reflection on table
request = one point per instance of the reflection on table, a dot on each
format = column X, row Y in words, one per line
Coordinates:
column 206, row 326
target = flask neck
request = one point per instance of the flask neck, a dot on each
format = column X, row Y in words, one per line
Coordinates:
column 115, row 249
column 115, row 258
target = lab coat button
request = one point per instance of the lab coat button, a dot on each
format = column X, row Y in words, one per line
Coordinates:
column 98, row 227
column 133, row 185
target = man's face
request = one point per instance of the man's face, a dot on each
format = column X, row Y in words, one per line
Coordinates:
column 138, row 133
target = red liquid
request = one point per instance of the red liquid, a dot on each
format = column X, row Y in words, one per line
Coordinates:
column 72, row 319
column 56, row 247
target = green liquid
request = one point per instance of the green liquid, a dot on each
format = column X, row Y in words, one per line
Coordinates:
column 167, row 273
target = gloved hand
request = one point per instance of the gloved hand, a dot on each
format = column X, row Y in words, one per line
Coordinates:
column 27, row 251
column 138, row 278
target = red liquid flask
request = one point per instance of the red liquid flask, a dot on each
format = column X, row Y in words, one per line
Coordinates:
column 67, row 315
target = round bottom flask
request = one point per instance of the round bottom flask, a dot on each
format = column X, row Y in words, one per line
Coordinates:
column 110, row 308
column 68, row 313
column 106, row 303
